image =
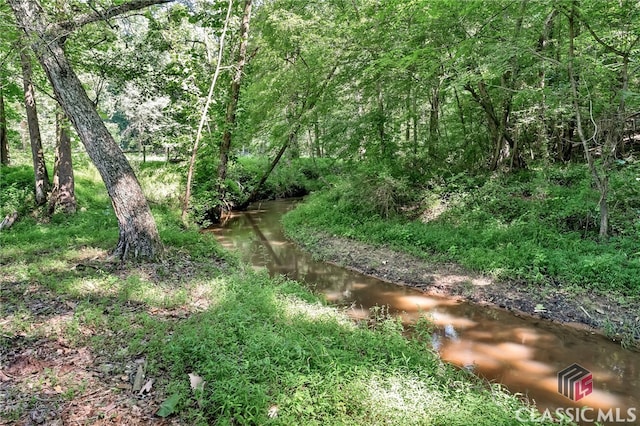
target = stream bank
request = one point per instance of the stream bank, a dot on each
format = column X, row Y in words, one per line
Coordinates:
column 602, row 313
column 523, row 353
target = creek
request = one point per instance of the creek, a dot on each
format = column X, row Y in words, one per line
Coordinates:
column 525, row 354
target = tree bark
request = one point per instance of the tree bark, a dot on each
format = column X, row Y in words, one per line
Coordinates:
column 612, row 129
column 230, row 117
column 8, row 221
column 42, row 184
column 138, row 236
column 434, row 113
column 497, row 127
column 381, row 121
column 316, row 139
column 63, row 192
column 544, row 44
column 4, row 146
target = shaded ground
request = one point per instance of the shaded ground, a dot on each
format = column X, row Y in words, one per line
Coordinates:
column 602, row 312
column 58, row 366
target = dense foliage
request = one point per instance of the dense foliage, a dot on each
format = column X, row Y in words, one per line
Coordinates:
column 424, row 88
column 537, row 226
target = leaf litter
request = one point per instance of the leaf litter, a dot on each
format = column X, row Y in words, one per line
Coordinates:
column 50, row 378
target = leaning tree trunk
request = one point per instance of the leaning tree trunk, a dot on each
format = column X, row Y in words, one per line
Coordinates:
column 39, row 165
column 293, row 133
column 4, row 150
column 138, row 233
column 63, row 192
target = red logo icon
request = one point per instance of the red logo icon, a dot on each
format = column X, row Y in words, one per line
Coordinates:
column 575, row 382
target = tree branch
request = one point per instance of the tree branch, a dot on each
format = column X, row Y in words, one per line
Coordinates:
column 111, row 12
column 600, row 41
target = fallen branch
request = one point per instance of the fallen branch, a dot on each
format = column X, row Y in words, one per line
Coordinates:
column 8, row 221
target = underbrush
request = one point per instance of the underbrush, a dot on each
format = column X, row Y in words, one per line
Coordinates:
column 290, row 178
column 537, row 226
column 16, row 190
column 259, row 350
column 270, row 353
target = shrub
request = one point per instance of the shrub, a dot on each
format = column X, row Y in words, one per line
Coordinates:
column 16, row 190
column 290, row 178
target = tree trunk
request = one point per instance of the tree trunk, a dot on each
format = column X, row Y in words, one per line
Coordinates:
column 407, row 119
column 460, row 111
column 380, row 121
column 63, row 192
column 292, row 136
column 203, row 117
column 230, row 117
column 544, row 44
column 42, row 184
column 497, row 128
column 564, row 149
column 601, row 184
column 23, row 135
column 434, row 116
column 505, row 147
column 292, row 118
column 8, row 221
column 493, row 124
column 316, row 139
column 138, row 237
column 4, row 150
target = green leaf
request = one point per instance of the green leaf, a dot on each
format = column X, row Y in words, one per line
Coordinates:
column 168, row 406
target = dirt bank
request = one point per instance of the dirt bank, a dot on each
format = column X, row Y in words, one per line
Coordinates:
column 612, row 316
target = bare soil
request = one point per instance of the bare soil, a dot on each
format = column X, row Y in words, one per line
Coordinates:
column 616, row 317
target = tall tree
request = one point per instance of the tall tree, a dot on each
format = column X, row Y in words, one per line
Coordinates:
column 609, row 122
column 42, row 184
column 138, row 237
column 232, row 106
column 63, row 191
column 204, row 115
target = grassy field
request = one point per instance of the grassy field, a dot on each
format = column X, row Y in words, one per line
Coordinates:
column 197, row 338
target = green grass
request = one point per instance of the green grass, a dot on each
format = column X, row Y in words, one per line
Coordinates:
column 536, row 226
column 270, row 345
column 269, row 351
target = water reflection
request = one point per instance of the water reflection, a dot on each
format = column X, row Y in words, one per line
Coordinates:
column 524, row 354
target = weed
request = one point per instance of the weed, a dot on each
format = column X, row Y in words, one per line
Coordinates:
column 609, row 329
column 424, row 328
column 467, row 289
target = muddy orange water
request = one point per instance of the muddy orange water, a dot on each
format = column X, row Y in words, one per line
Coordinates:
column 524, row 354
